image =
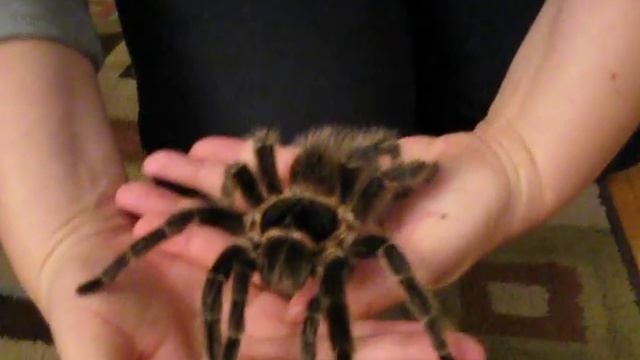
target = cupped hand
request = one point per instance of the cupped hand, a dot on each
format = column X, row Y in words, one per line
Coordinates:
column 153, row 310
column 443, row 229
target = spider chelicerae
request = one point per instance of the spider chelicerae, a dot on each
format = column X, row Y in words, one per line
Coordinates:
column 341, row 181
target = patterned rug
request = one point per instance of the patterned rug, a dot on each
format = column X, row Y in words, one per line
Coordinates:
column 560, row 292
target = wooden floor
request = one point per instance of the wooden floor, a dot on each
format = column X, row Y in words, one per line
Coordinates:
column 624, row 191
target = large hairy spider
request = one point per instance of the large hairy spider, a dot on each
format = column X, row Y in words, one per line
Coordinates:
column 340, row 182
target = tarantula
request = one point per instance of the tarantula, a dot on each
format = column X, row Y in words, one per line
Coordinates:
column 340, row 182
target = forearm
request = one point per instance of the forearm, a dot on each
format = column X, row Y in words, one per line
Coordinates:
column 568, row 103
column 58, row 163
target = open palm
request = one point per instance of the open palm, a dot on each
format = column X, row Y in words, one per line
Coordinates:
column 268, row 334
column 152, row 311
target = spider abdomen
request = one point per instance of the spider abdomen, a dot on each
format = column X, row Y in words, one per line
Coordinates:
column 285, row 263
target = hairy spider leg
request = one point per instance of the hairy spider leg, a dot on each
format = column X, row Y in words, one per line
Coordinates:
column 332, row 287
column 370, row 154
column 331, row 300
column 266, row 161
column 310, row 328
column 315, row 168
column 235, row 259
column 370, row 199
column 242, row 272
column 406, row 176
column 214, row 215
column 217, row 276
column 421, row 305
column 349, row 178
column 182, row 190
column 360, row 161
column 326, row 175
column 238, row 176
column 397, row 180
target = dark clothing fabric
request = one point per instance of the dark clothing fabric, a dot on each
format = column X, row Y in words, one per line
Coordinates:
column 226, row 67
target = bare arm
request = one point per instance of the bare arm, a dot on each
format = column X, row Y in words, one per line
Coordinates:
column 568, row 103
column 58, row 164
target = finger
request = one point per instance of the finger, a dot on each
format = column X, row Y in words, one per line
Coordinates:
column 404, row 346
column 200, row 244
column 370, row 289
column 425, row 148
column 265, row 317
column 297, row 307
column 370, row 328
column 404, row 340
column 223, row 149
column 181, row 169
column 465, row 347
column 143, row 198
column 270, row 324
column 382, row 340
column 373, row 340
column 229, row 150
column 416, row 345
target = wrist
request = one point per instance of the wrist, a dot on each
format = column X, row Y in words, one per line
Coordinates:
column 529, row 203
column 60, row 159
column 91, row 238
column 50, row 258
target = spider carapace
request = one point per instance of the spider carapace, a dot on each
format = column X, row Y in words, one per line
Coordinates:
column 328, row 217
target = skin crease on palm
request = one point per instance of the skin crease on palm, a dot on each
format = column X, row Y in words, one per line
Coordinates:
column 437, row 212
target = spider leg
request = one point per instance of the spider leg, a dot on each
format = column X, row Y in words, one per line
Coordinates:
column 235, row 258
column 395, row 181
column 214, row 215
column 241, row 277
column 406, row 176
column 422, row 306
column 349, row 177
column 361, row 160
column 310, row 329
column 317, row 169
column 371, row 153
column 336, row 312
column 333, row 302
column 182, row 190
column 264, row 142
column 238, row 176
column 370, row 199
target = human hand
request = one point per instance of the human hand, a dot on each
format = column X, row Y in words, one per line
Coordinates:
column 153, row 310
column 203, row 170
